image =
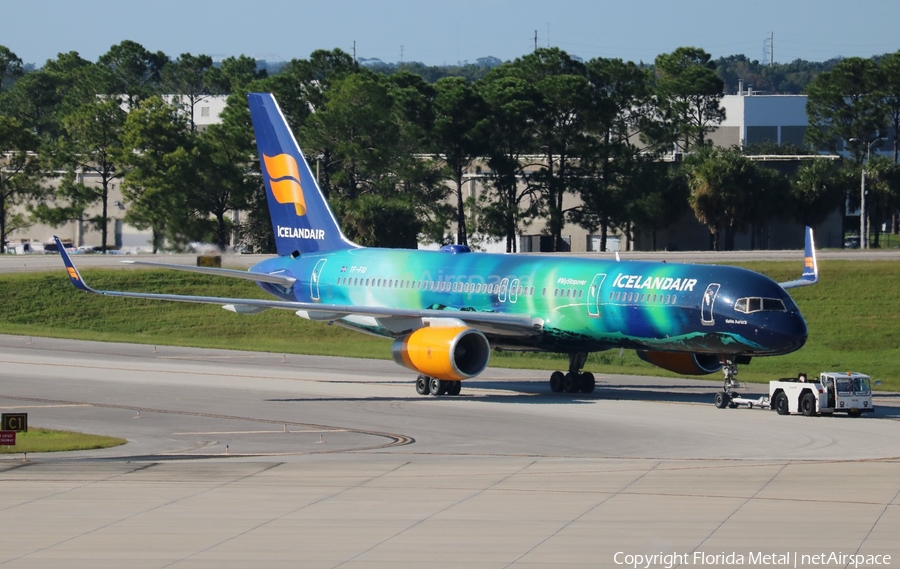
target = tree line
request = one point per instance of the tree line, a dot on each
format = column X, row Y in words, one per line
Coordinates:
column 393, row 151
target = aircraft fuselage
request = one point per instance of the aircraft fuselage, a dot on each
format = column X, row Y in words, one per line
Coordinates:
column 582, row 305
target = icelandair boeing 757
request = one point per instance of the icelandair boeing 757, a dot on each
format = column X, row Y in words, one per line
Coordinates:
column 447, row 309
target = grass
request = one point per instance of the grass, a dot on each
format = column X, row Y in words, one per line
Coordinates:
column 853, row 318
column 47, row 440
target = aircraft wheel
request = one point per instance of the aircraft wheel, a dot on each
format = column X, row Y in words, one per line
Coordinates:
column 808, row 405
column 780, row 404
column 722, row 399
column 588, row 384
column 423, row 386
column 571, row 383
column 437, row 386
column 556, row 381
column 454, row 388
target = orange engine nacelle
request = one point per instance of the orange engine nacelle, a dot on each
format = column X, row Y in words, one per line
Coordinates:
column 684, row 363
column 448, row 353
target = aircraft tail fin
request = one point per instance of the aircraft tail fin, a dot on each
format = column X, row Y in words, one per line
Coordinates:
column 301, row 218
column 810, row 274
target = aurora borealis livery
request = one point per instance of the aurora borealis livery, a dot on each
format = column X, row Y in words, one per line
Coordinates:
column 447, row 309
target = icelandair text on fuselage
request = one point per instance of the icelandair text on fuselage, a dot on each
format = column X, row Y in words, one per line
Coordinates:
column 301, row 233
column 786, row 559
column 655, row 283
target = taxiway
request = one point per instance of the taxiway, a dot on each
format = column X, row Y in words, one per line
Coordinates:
column 239, row 458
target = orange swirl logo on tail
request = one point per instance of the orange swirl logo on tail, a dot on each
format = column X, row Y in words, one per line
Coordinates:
column 284, row 177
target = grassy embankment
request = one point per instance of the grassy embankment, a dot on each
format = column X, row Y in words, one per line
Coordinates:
column 853, row 316
column 46, row 440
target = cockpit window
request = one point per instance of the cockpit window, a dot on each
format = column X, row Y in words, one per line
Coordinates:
column 755, row 304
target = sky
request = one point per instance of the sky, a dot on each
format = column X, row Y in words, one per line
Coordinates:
column 452, row 31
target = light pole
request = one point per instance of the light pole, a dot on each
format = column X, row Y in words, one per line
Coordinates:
column 863, row 236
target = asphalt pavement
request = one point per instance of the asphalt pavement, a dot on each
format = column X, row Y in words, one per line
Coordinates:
column 237, row 459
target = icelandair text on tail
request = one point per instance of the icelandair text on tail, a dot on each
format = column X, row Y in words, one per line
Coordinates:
column 786, row 559
column 301, row 233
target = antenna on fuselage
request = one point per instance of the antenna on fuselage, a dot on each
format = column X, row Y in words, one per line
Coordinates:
column 617, row 257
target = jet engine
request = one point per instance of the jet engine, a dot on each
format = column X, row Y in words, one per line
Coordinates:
column 684, row 363
column 450, row 353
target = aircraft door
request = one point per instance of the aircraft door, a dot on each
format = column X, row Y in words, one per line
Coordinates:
column 514, row 290
column 709, row 302
column 593, row 305
column 501, row 296
column 314, row 280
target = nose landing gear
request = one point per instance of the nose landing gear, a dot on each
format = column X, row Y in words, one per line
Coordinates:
column 724, row 397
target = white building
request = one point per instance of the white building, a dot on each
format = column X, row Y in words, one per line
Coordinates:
column 753, row 119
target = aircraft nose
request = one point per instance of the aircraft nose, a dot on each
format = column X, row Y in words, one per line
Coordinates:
column 792, row 334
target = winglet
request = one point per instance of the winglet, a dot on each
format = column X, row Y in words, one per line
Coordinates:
column 810, row 274
column 74, row 275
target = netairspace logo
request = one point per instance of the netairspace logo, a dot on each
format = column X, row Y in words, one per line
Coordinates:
column 786, row 559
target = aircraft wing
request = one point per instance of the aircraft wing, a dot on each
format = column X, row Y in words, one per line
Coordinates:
column 393, row 318
column 810, row 274
column 246, row 275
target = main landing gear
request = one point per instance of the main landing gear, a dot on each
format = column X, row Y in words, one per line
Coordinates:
column 573, row 381
column 433, row 386
column 724, row 397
